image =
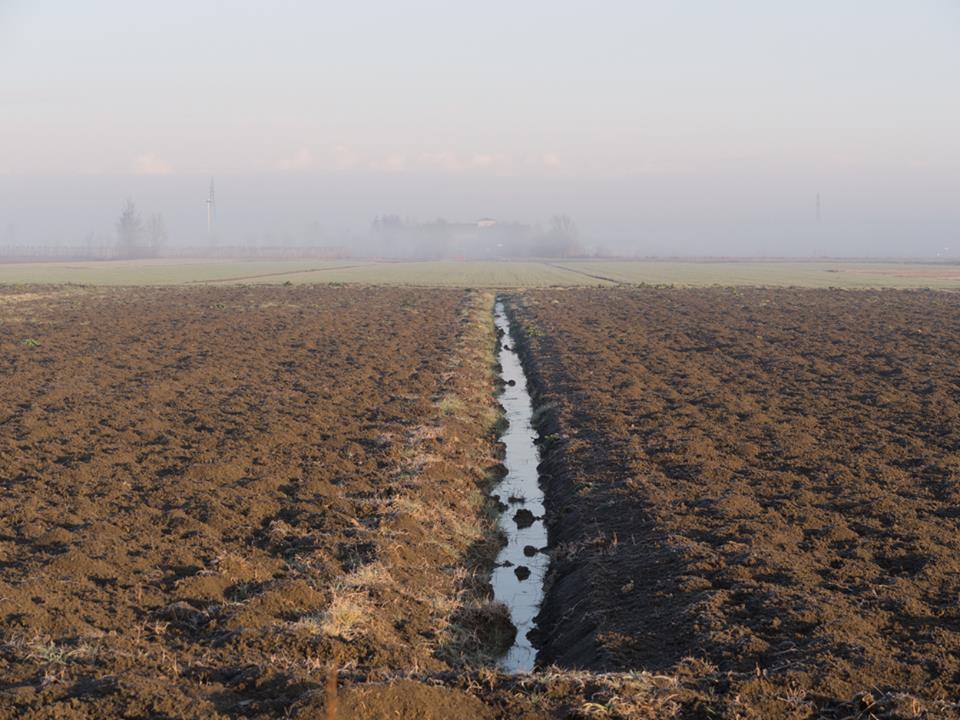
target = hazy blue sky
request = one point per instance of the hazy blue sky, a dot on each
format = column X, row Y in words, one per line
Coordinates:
column 672, row 126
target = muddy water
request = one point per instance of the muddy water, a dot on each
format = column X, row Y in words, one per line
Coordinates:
column 520, row 491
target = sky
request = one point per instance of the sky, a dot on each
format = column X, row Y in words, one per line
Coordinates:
column 688, row 127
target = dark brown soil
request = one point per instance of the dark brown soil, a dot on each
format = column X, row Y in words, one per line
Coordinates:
column 767, row 481
column 207, row 496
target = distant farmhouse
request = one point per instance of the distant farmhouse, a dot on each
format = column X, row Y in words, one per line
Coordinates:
column 486, row 238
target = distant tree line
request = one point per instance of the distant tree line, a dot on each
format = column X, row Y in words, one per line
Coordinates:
column 136, row 239
column 393, row 236
column 561, row 239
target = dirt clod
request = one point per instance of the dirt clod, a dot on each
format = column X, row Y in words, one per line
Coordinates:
column 524, row 518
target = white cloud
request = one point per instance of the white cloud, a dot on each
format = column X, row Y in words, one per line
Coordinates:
column 551, row 161
column 301, row 159
column 341, row 157
column 392, row 163
column 150, row 164
column 485, row 161
column 336, row 157
column 440, row 161
column 455, row 162
column 344, row 157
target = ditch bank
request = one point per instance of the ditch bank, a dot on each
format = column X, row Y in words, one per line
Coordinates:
column 565, row 634
column 566, row 626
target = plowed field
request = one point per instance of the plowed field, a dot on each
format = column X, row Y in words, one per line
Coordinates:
column 765, row 481
column 208, row 496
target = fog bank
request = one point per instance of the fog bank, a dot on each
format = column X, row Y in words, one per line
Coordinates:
column 898, row 213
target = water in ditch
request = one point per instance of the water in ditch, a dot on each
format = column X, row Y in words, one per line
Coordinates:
column 522, row 563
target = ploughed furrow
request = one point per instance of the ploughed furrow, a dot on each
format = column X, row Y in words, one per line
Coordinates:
column 210, row 496
column 760, row 483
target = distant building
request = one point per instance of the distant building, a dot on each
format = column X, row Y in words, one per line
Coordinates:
column 487, row 237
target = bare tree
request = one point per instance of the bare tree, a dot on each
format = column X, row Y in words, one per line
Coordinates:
column 156, row 235
column 129, row 231
column 562, row 239
column 564, row 226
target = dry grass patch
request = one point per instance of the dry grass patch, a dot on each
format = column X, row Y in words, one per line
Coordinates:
column 373, row 576
column 346, row 618
column 451, row 405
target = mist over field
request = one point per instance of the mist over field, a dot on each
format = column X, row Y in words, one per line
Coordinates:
column 645, row 216
column 658, row 130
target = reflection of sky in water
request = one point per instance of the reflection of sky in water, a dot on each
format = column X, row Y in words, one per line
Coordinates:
column 522, row 456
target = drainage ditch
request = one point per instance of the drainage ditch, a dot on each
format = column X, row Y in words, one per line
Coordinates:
column 522, row 564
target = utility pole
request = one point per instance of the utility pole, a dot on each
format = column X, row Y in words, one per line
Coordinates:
column 211, row 212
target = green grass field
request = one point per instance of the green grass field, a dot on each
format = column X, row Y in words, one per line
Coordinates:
column 490, row 273
column 843, row 274
column 157, row 272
